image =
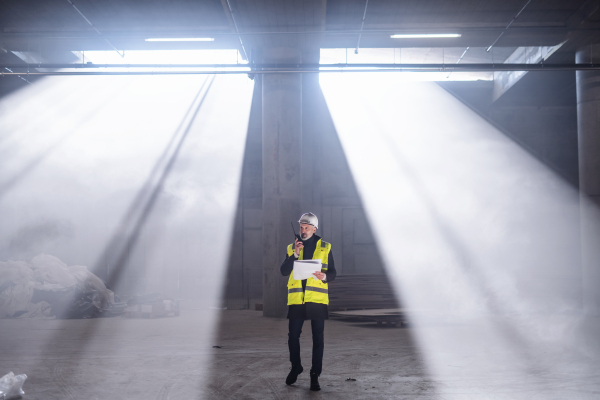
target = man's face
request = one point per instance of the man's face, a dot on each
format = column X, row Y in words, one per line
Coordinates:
column 306, row 231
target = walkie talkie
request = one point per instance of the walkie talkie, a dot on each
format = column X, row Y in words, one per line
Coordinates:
column 295, row 234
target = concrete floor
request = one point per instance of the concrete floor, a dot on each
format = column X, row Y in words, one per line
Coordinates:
column 174, row 358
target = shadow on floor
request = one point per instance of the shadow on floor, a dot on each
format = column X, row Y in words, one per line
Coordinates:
column 253, row 361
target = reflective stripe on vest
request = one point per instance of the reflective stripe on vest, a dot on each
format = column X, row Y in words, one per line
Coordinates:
column 316, row 289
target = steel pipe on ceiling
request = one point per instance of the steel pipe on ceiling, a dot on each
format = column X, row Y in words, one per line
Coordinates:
column 192, row 69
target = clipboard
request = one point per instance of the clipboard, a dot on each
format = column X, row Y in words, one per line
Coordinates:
column 304, row 269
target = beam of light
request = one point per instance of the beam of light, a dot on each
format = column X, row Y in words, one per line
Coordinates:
column 118, row 250
column 425, row 35
column 43, row 138
column 90, row 182
column 480, row 240
column 202, row 39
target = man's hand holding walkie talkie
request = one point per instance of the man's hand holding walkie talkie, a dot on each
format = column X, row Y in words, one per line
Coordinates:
column 297, row 246
column 298, row 243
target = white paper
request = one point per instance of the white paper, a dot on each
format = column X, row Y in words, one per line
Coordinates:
column 304, row 269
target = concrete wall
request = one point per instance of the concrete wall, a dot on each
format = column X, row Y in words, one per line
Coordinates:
column 539, row 112
column 328, row 190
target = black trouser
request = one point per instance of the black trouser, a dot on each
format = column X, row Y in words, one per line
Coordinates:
column 318, row 329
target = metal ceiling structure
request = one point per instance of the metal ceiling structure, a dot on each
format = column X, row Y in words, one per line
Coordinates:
column 202, row 69
column 48, row 27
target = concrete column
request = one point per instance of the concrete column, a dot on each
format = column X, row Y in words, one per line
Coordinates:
column 282, row 163
column 588, row 121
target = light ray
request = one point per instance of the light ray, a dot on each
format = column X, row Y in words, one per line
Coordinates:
column 479, row 238
column 89, row 180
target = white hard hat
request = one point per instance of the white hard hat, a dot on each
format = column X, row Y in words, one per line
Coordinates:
column 309, row 218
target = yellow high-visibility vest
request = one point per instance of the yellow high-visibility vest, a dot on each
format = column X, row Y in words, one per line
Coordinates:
column 317, row 291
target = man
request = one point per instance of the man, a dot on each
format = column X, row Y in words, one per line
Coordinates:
column 308, row 298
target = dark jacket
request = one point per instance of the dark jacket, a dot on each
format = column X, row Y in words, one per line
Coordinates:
column 308, row 310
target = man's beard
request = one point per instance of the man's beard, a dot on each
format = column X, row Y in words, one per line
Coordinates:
column 305, row 236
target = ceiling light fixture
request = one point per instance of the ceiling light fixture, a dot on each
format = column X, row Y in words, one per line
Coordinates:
column 425, row 35
column 202, row 39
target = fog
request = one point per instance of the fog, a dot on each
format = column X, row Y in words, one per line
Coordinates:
column 135, row 176
column 480, row 239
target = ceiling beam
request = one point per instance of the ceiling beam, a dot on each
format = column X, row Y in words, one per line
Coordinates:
column 176, row 69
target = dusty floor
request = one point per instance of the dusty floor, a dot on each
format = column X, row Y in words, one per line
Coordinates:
column 172, row 358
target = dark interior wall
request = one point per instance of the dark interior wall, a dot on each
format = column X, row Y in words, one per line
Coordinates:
column 12, row 83
column 539, row 113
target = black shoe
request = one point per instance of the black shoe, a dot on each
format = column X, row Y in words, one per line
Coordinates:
column 293, row 375
column 314, row 382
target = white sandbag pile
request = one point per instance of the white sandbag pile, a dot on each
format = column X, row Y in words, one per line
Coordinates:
column 46, row 287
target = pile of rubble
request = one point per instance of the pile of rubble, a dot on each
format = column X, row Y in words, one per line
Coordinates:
column 46, row 287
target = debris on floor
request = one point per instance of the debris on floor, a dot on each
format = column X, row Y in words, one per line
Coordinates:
column 151, row 305
column 11, row 386
column 390, row 316
column 46, row 287
column 350, row 379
